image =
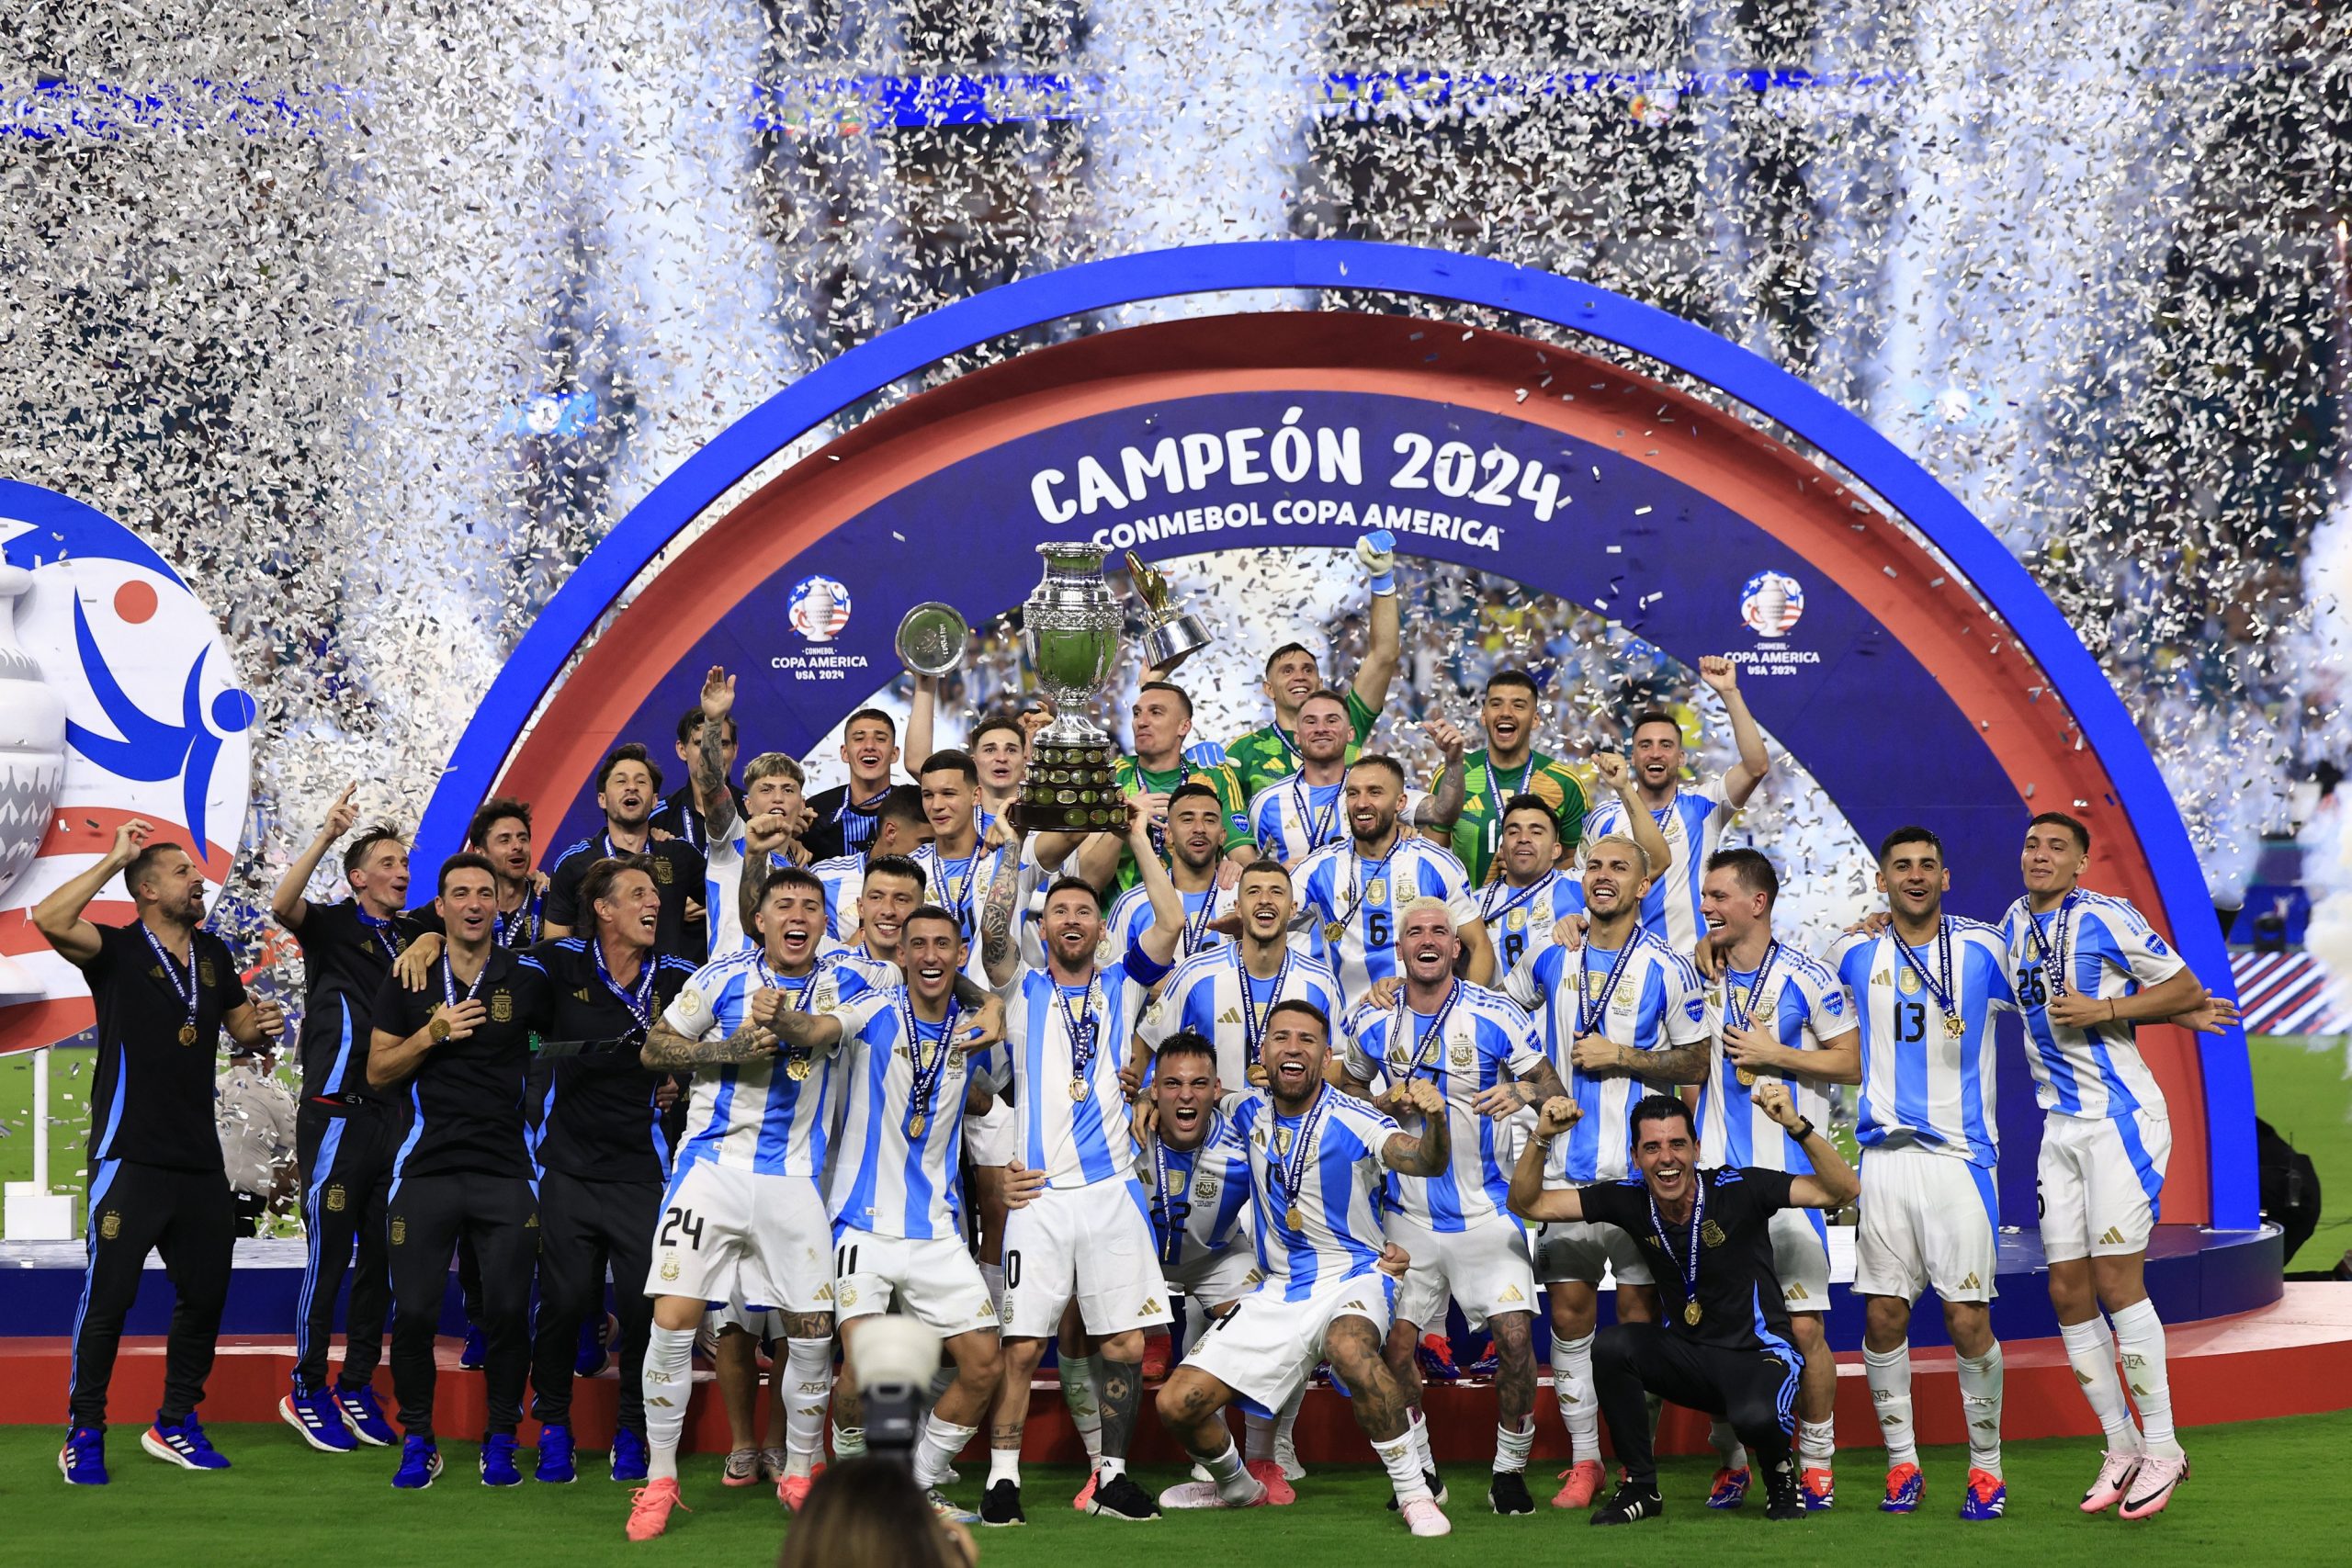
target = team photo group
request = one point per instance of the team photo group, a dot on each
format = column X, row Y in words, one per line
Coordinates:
column 1314, row 1045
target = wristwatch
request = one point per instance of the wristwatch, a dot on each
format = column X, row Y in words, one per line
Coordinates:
column 1803, row 1130
column 437, row 1030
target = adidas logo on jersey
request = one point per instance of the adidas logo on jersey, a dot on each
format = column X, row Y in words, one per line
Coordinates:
column 1231, row 1015
column 1510, row 1294
column 1353, row 1306
column 1971, row 1282
column 2113, row 1237
column 824, row 1292
column 1797, row 1294
column 1152, row 1304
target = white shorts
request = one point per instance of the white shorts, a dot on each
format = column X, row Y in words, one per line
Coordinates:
column 935, row 1282
column 1801, row 1258
column 991, row 1139
column 1265, row 1348
column 1094, row 1242
column 729, row 1234
column 761, row 1323
column 1926, row 1223
column 2098, row 1182
column 1583, row 1251
column 1484, row 1267
column 1213, row 1278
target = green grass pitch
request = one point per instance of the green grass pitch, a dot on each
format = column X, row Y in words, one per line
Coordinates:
column 2259, row 1492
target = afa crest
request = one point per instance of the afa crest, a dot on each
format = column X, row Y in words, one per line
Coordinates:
column 112, row 1225
column 400, row 1232
column 663, row 873
column 501, row 1005
column 669, row 1267
column 337, row 1199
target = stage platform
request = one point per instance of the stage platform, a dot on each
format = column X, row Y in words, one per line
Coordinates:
column 2244, row 1346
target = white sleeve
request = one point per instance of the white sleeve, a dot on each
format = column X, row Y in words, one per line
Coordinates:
column 689, row 1014
column 1458, row 902
column 1522, row 984
column 2151, row 960
column 1829, row 1010
column 1354, row 1060
column 1526, row 1053
column 1686, row 1004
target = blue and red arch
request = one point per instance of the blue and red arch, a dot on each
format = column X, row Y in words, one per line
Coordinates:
column 1946, row 688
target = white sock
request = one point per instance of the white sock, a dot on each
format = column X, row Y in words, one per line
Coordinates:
column 1730, row 1452
column 1108, row 1466
column 1286, row 1422
column 940, row 1443
column 2091, row 1353
column 1417, row 1427
column 1980, row 1402
column 849, row 1442
column 1077, row 1392
column 1233, row 1480
column 1579, row 1407
column 669, row 1384
column 1402, row 1458
column 1511, row 1447
column 1816, row 1443
column 808, row 1363
column 1889, row 1372
column 1261, row 1429
column 2140, row 1335
column 1004, row 1464
column 992, row 1276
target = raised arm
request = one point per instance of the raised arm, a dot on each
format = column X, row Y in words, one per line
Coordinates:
column 1754, row 761
column 1443, row 808
column 923, row 709
column 1384, row 646
column 288, row 906
column 1000, row 952
column 1160, row 938
column 1431, row 1151
column 1614, row 776
column 1833, row 1184
column 1528, row 1199
column 712, row 798
column 57, row 918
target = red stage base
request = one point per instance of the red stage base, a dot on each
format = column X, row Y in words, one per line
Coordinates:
column 2293, row 1357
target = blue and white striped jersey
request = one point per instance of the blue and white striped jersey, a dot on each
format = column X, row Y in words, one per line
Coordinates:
column 757, row 1115
column 1476, row 1039
column 1196, row 1195
column 1693, row 823
column 1361, row 897
column 960, row 885
column 1339, row 1194
column 844, row 879
column 1802, row 1003
column 1656, row 1002
column 2104, row 948
column 891, row 1175
column 1519, row 921
column 1292, row 818
column 1924, row 1086
column 1205, row 995
column 1070, row 1115
column 1130, row 917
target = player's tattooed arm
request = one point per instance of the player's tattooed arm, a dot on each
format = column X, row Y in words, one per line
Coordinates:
column 712, row 798
column 1671, row 1064
column 1443, row 809
column 665, row 1048
column 998, row 952
column 1433, row 1151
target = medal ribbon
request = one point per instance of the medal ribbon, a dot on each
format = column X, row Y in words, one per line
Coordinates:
column 1436, row 1031
column 1292, row 1175
column 376, row 929
column 638, row 1001
column 799, row 999
column 2054, row 958
column 520, row 926
column 1080, row 1027
column 1317, row 831
column 1946, row 995
column 1495, row 797
column 188, row 993
column 1358, row 881
column 1488, row 914
column 922, row 1098
column 1196, row 932
column 449, row 981
column 1170, row 1215
column 1756, row 987
column 959, row 899
column 1690, row 1267
column 1589, row 1013
column 1253, row 1022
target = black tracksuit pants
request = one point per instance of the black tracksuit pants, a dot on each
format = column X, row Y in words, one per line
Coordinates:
column 346, row 1155
column 584, row 1224
column 1756, row 1391
column 190, row 1217
column 427, row 1214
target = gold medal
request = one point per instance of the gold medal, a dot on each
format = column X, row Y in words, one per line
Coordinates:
column 1691, row 1312
column 797, row 1068
column 188, row 1034
column 1079, row 1089
column 1296, row 1218
column 1954, row 1027
column 1258, row 1075
column 1745, row 1078
column 915, row 1127
column 1332, row 932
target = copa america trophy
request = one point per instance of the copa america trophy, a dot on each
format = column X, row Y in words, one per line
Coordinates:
column 1070, row 631
column 1171, row 636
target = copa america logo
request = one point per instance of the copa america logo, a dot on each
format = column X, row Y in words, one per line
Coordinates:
column 819, row 608
column 1770, row 603
column 117, row 699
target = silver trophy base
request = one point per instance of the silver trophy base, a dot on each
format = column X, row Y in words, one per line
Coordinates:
column 1167, row 641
